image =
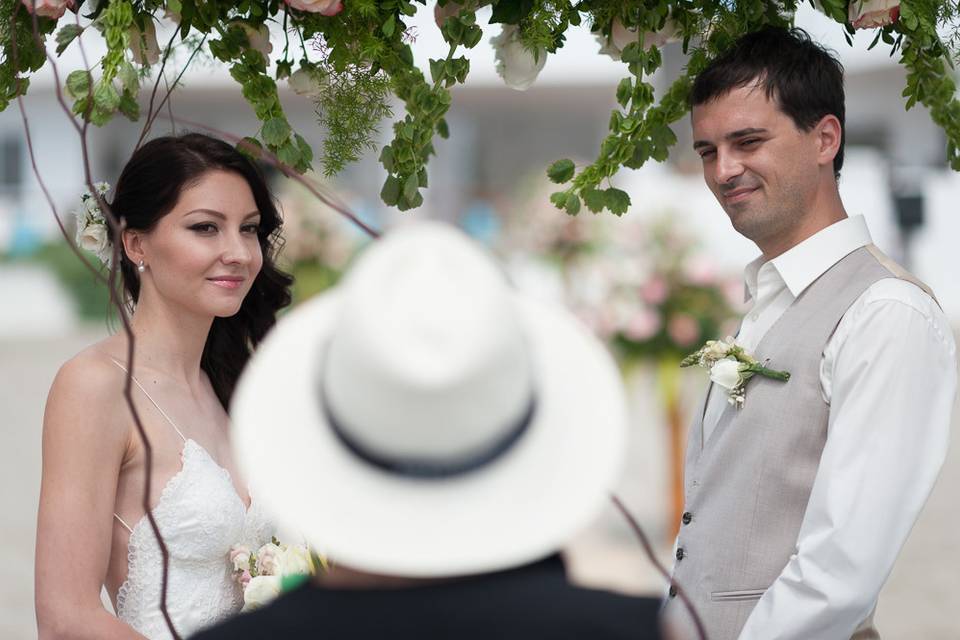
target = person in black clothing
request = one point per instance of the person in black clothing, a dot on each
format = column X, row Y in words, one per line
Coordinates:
column 440, row 437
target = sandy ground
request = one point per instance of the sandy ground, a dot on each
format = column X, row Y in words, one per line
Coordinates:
column 920, row 601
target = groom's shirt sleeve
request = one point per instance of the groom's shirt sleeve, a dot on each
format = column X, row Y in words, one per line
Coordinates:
column 890, row 375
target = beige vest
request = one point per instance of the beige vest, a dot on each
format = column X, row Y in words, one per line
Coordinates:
column 748, row 485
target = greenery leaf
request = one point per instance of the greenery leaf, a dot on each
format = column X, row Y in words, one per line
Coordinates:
column 616, row 200
column 66, row 35
column 276, row 131
column 561, row 171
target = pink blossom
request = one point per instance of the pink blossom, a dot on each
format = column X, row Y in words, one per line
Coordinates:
column 49, row 8
column 700, row 271
column 440, row 14
column 655, row 290
column 683, row 329
column 323, row 7
column 643, row 325
column 244, row 579
column 870, row 14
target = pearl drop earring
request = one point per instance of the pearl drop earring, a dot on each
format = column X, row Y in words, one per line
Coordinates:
column 140, row 267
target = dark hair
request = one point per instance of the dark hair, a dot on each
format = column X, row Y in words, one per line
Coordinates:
column 148, row 189
column 803, row 77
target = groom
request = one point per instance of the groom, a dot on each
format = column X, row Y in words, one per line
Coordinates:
column 798, row 503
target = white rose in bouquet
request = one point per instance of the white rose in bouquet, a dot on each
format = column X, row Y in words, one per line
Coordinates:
column 295, row 560
column 268, row 559
column 259, row 591
column 517, row 65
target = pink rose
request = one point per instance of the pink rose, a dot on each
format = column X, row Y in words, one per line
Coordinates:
column 700, row 271
column 683, row 329
column 48, row 8
column 643, row 325
column 244, row 579
column 440, row 14
column 654, row 291
column 323, row 7
column 869, row 14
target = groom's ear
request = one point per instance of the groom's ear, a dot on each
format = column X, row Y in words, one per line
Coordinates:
column 829, row 135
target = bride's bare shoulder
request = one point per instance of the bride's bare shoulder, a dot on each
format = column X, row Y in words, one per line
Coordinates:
column 90, row 384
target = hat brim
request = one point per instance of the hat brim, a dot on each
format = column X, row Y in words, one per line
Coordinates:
column 522, row 506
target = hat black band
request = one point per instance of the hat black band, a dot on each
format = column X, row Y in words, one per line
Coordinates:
column 431, row 468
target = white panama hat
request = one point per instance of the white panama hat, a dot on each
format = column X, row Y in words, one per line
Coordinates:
column 423, row 419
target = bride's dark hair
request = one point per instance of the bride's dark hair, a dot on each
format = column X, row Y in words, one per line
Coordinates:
column 148, row 189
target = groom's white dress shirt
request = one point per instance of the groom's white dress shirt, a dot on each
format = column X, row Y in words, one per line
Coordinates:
column 889, row 375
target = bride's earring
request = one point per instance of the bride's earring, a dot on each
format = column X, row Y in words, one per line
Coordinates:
column 140, row 267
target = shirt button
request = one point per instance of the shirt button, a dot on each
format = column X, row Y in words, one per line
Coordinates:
column 687, row 517
column 754, row 316
column 680, row 553
column 673, row 591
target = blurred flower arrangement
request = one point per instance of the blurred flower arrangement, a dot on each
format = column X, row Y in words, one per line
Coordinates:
column 318, row 244
column 640, row 285
column 648, row 294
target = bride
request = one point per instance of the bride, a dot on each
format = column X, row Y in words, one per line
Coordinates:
column 197, row 267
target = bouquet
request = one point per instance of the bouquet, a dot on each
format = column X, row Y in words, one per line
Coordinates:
column 262, row 574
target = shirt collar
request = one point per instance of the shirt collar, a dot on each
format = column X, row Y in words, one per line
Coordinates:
column 803, row 264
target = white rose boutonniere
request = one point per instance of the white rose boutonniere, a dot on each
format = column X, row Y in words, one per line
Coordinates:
column 731, row 367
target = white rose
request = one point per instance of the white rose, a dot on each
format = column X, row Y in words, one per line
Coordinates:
column 260, row 590
column 94, row 237
column 304, row 82
column 144, row 45
column 240, row 557
column 869, row 14
column 258, row 37
column 715, row 350
column 268, row 559
column 621, row 36
column 295, row 560
column 726, row 373
column 517, row 66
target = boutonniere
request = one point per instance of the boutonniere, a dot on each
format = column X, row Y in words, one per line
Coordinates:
column 731, row 367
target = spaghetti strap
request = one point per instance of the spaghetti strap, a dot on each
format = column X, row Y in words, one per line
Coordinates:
column 125, row 525
column 152, row 401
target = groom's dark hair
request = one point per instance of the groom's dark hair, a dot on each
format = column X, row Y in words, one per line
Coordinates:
column 803, row 78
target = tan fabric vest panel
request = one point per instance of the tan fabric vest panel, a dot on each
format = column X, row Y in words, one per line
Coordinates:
column 748, row 486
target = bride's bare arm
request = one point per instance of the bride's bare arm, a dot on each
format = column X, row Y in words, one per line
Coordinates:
column 84, row 443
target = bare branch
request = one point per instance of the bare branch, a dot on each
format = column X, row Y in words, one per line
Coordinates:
column 648, row 549
column 111, row 282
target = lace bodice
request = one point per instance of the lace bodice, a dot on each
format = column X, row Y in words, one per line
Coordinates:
column 200, row 516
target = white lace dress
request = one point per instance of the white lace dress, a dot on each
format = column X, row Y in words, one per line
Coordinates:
column 200, row 516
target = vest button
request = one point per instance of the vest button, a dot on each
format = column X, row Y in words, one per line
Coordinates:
column 680, row 553
column 673, row 591
column 687, row 517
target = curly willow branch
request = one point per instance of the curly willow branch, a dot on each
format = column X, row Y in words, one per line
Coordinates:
column 111, row 282
column 648, row 549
